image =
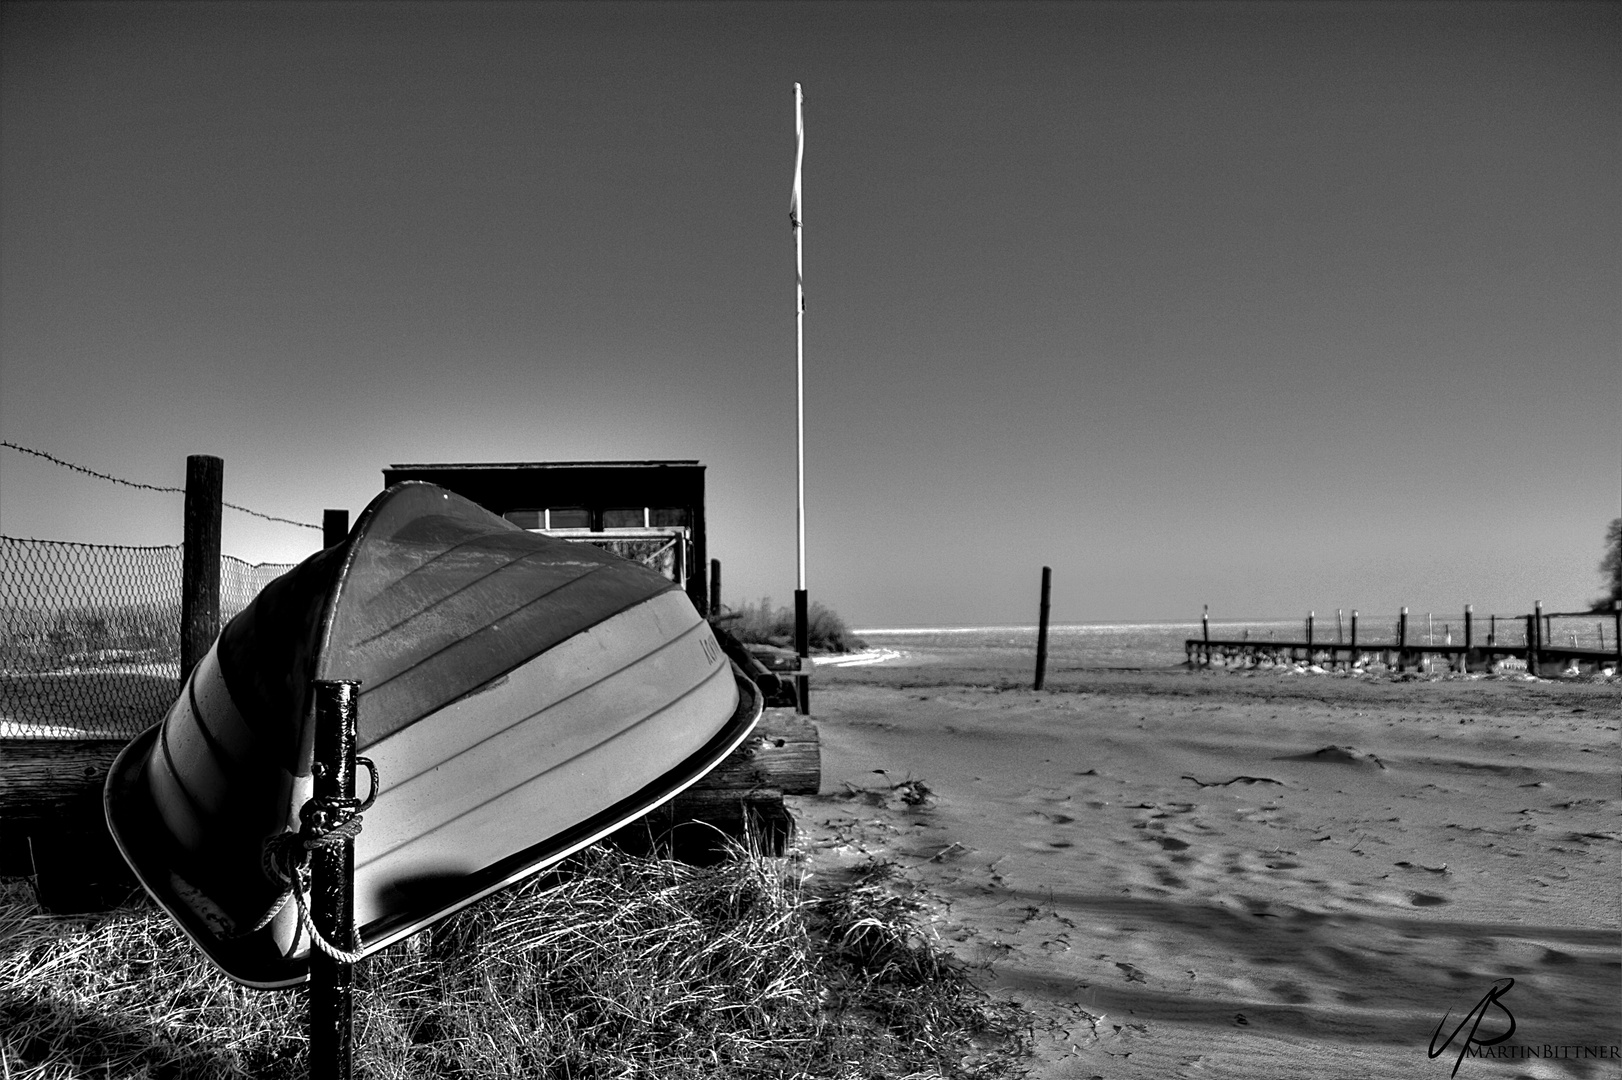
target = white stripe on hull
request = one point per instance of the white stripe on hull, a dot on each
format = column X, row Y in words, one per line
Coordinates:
column 560, row 739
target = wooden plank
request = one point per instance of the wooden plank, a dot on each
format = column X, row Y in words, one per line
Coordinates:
column 784, row 754
column 50, row 778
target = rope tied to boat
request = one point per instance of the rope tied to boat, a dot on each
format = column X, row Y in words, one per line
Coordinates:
column 324, row 823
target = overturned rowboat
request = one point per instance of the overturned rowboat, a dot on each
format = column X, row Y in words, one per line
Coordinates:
column 520, row 696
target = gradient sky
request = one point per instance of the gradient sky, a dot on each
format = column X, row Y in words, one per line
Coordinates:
column 1270, row 307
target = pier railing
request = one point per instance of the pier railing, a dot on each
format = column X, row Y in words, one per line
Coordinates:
column 1541, row 643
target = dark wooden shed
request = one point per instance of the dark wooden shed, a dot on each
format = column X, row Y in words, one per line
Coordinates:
column 650, row 509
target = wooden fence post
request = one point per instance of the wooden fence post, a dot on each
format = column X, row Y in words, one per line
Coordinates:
column 1042, row 628
column 1351, row 656
column 1402, row 640
column 200, row 560
column 334, row 527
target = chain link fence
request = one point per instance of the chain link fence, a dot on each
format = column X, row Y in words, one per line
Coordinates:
column 90, row 634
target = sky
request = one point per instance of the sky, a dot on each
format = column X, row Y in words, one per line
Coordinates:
column 1271, row 307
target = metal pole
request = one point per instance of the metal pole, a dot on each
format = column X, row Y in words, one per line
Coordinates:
column 802, row 680
column 332, row 874
column 1402, row 640
column 1042, row 627
column 802, row 646
column 715, row 588
column 1351, row 655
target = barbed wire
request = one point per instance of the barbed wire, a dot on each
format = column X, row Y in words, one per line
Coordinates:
column 151, row 487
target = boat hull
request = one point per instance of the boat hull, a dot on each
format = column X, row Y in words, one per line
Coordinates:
column 494, row 761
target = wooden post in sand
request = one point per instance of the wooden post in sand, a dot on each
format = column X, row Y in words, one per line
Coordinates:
column 1402, row 639
column 1538, row 639
column 1469, row 614
column 1616, row 612
column 1042, row 627
column 1532, row 622
column 1311, row 615
column 1351, row 655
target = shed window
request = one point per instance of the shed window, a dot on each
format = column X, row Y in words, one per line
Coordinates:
column 524, row 519
column 568, row 517
column 624, row 517
column 666, row 516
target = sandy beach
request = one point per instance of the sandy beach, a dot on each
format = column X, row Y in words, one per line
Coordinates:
column 1210, row 874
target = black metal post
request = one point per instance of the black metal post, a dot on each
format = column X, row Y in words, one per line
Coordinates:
column 802, row 646
column 200, row 560
column 1042, row 627
column 1402, row 640
column 332, row 873
column 334, row 527
column 715, row 588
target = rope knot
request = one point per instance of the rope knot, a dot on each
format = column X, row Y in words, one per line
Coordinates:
column 285, row 857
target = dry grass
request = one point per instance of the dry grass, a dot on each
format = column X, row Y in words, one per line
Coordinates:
column 616, row 967
column 761, row 624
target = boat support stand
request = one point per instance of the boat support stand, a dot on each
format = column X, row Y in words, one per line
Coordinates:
column 334, row 809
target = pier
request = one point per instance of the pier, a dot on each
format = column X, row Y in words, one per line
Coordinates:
column 1528, row 642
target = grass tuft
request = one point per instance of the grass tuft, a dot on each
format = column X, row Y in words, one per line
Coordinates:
column 615, row 966
column 761, row 624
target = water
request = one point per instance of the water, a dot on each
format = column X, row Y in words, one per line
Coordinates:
column 1087, row 645
column 1161, row 645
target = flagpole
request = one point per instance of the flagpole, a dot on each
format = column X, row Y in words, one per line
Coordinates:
column 801, row 629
